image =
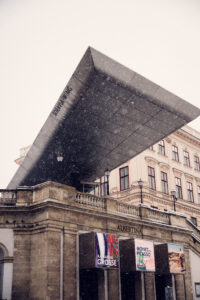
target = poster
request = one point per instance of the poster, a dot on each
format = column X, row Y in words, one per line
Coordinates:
column 107, row 250
column 144, row 255
column 176, row 259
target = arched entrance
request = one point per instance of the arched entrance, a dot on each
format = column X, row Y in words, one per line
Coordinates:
column 1, row 271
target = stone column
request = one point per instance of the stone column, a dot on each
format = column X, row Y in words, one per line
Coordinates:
column 179, row 283
column 70, row 269
column 149, row 283
column 53, row 264
column 21, row 266
column 113, row 285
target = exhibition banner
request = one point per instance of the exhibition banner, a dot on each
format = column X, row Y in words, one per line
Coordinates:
column 144, row 255
column 176, row 259
column 107, row 250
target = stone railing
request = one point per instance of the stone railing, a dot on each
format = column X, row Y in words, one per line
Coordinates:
column 90, row 200
column 51, row 191
column 8, row 197
column 154, row 214
column 128, row 209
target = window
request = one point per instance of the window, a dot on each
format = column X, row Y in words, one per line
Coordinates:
column 161, row 147
column 186, row 158
column 198, row 191
column 104, row 186
column 175, row 153
column 151, row 177
column 151, row 148
column 178, row 188
column 196, row 163
column 124, row 180
column 194, row 220
column 164, row 182
column 190, row 192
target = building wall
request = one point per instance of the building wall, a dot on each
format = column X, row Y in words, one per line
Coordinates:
column 185, row 139
column 195, row 273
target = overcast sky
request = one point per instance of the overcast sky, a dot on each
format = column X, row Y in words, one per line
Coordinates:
column 42, row 41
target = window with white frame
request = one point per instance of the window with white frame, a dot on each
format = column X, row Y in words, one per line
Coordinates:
column 175, row 153
column 178, row 188
column 194, row 220
column 196, row 163
column 186, row 158
column 190, row 191
column 151, row 178
column 164, row 182
column 198, row 192
column 104, row 185
column 124, row 178
column 161, row 147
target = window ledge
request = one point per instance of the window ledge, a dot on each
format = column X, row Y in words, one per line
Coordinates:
column 187, row 166
column 177, row 161
column 164, row 155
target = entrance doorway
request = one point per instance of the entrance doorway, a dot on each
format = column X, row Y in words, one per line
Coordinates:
column 1, row 272
column 91, row 284
column 131, row 286
column 163, row 284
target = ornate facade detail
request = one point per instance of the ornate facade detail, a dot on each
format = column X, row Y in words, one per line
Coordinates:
column 189, row 176
column 177, row 172
column 164, row 166
column 151, row 160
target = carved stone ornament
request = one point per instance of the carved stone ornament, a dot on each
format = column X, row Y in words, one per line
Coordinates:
column 152, row 161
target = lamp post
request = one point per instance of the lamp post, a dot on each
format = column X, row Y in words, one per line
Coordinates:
column 140, row 183
column 107, row 174
column 173, row 193
column 59, row 158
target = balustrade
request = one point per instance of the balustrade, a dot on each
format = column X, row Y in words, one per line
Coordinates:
column 128, row 209
column 90, row 200
column 8, row 197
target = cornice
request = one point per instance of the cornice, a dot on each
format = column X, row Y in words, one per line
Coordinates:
column 189, row 176
column 188, row 137
column 164, row 166
column 177, row 171
column 151, row 160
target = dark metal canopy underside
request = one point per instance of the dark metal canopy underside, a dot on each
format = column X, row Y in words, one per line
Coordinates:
column 106, row 115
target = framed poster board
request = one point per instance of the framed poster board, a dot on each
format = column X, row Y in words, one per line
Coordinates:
column 107, row 250
column 144, row 255
column 176, row 259
column 197, row 289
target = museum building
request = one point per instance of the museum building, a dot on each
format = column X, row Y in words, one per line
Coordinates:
column 66, row 234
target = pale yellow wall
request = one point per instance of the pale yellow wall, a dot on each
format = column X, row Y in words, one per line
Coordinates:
column 185, row 139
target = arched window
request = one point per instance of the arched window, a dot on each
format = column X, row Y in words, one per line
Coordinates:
column 1, row 271
column 6, row 271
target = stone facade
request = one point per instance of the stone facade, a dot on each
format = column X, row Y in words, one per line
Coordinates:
column 46, row 223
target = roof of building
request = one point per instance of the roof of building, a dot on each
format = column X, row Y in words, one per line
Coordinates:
column 106, row 115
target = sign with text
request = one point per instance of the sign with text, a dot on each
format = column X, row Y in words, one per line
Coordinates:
column 107, row 250
column 176, row 259
column 144, row 255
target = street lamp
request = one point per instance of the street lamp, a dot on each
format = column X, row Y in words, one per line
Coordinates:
column 59, row 158
column 173, row 193
column 140, row 183
column 107, row 174
column 59, row 153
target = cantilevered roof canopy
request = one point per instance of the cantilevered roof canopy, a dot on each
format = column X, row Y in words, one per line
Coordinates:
column 106, row 115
